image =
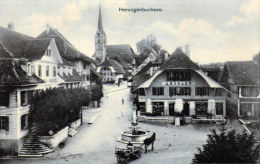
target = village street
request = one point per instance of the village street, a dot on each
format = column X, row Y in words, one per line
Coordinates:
column 95, row 143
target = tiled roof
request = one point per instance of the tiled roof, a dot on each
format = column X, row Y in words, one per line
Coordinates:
column 179, row 60
column 11, row 73
column 122, row 62
column 4, row 52
column 123, row 50
column 66, row 49
column 112, row 63
column 72, row 78
column 14, row 41
column 244, row 72
column 35, row 48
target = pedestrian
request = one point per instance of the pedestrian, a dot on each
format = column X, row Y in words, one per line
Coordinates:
column 123, row 101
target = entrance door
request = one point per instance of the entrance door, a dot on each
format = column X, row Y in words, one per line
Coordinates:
column 171, row 109
column 186, row 109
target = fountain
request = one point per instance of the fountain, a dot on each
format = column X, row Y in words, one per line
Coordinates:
column 134, row 135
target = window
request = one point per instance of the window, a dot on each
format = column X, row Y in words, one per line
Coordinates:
column 98, row 40
column 47, row 70
column 178, row 76
column 218, row 92
column 158, row 108
column 29, row 69
column 84, row 65
column 24, row 98
column 250, row 91
column 182, row 91
column 219, row 108
column 49, row 52
column 4, row 99
column 39, row 70
column 201, row 108
column 157, row 91
column 24, row 122
column 4, row 123
column 54, row 71
column 141, row 92
column 246, row 110
column 202, row 91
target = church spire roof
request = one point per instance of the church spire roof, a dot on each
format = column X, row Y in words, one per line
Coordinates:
column 100, row 25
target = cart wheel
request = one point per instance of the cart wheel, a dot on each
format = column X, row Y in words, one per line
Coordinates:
column 121, row 159
column 139, row 154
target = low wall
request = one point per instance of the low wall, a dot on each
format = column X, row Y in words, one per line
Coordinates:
column 76, row 124
column 55, row 140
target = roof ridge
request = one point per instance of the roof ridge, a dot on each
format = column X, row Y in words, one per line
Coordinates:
column 9, row 53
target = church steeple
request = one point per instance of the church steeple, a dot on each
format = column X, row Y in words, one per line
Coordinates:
column 100, row 25
column 100, row 41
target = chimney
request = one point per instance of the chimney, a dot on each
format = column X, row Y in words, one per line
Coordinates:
column 187, row 50
column 47, row 29
column 10, row 26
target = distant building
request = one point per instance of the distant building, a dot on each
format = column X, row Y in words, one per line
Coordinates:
column 242, row 78
column 178, row 85
column 111, row 71
column 103, row 51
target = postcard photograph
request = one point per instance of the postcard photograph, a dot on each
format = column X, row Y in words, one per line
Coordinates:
column 129, row 81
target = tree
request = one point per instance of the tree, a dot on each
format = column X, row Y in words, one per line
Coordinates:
column 55, row 108
column 227, row 147
column 147, row 46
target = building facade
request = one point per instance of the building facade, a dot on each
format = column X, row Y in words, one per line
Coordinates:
column 243, row 81
column 180, row 87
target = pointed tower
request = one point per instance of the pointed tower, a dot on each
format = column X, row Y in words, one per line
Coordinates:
column 100, row 41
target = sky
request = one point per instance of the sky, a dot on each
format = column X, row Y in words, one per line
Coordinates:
column 216, row 30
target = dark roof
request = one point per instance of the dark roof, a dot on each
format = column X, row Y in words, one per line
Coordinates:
column 66, row 62
column 14, row 41
column 140, row 79
column 123, row 50
column 92, row 70
column 112, row 63
column 72, row 78
column 244, row 72
column 11, row 73
column 179, row 60
column 66, row 49
column 35, row 48
column 4, row 52
column 122, row 62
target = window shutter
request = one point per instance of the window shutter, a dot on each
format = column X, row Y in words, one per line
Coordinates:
column 7, row 123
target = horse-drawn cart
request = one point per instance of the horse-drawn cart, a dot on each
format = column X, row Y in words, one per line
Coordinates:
column 124, row 155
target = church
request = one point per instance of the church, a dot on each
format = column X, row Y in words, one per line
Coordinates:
column 112, row 57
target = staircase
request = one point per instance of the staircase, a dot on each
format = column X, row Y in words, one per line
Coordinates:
column 33, row 147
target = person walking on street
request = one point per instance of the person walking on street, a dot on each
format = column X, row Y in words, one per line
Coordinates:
column 123, row 101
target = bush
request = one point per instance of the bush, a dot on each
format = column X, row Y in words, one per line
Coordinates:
column 54, row 109
column 227, row 147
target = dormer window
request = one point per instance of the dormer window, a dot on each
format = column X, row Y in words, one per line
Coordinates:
column 29, row 69
column 49, row 52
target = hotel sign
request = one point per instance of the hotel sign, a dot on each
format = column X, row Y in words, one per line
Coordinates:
column 173, row 83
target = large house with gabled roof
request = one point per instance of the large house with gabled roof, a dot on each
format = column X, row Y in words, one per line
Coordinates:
column 82, row 62
column 179, row 86
column 242, row 79
column 28, row 65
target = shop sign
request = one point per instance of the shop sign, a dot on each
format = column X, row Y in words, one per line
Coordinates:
column 176, row 83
